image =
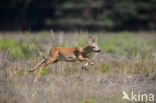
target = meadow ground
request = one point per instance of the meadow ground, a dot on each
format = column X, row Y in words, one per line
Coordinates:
column 127, row 63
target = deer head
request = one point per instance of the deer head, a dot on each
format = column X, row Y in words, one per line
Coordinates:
column 92, row 40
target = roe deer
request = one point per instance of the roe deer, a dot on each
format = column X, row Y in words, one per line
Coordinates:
column 69, row 54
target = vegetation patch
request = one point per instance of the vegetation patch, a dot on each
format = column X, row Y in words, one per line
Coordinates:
column 19, row 49
column 89, row 100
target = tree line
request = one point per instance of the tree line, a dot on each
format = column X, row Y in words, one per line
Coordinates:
column 108, row 15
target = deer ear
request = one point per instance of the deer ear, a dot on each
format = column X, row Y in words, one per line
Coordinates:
column 95, row 39
column 89, row 40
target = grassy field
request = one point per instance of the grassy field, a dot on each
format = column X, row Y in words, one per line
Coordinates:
column 127, row 63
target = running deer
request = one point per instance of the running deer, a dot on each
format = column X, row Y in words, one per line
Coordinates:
column 69, row 54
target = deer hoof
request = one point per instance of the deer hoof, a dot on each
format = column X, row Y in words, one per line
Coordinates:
column 84, row 68
column 30, row 70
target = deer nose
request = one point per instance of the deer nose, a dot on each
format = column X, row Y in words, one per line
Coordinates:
column 98, row 50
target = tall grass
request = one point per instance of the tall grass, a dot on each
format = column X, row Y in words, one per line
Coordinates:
column 127, row 62
column 19, row 49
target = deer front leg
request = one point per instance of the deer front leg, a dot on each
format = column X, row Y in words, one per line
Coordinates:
column 85, row 59
column 84, row 67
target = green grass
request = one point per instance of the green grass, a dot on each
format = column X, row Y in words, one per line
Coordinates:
column 6, row 43
column 89, row 100
column 103, row 68
column 138, row 51
column 19, row 71
column 44, row 34
column 19, row 49
column 81, row 38
column 44, row 71
column 121, row 67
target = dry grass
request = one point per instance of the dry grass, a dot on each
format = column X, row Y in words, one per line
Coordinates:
column 127, row 62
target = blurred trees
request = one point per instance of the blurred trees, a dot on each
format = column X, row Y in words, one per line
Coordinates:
column 78, row 14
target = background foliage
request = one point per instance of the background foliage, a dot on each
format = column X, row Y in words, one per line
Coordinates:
column 78, row 14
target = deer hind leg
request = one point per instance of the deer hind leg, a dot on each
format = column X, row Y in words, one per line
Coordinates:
column 46, row 63
column 38, row 65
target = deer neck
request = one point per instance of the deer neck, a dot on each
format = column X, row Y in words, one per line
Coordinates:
column 86, row 50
